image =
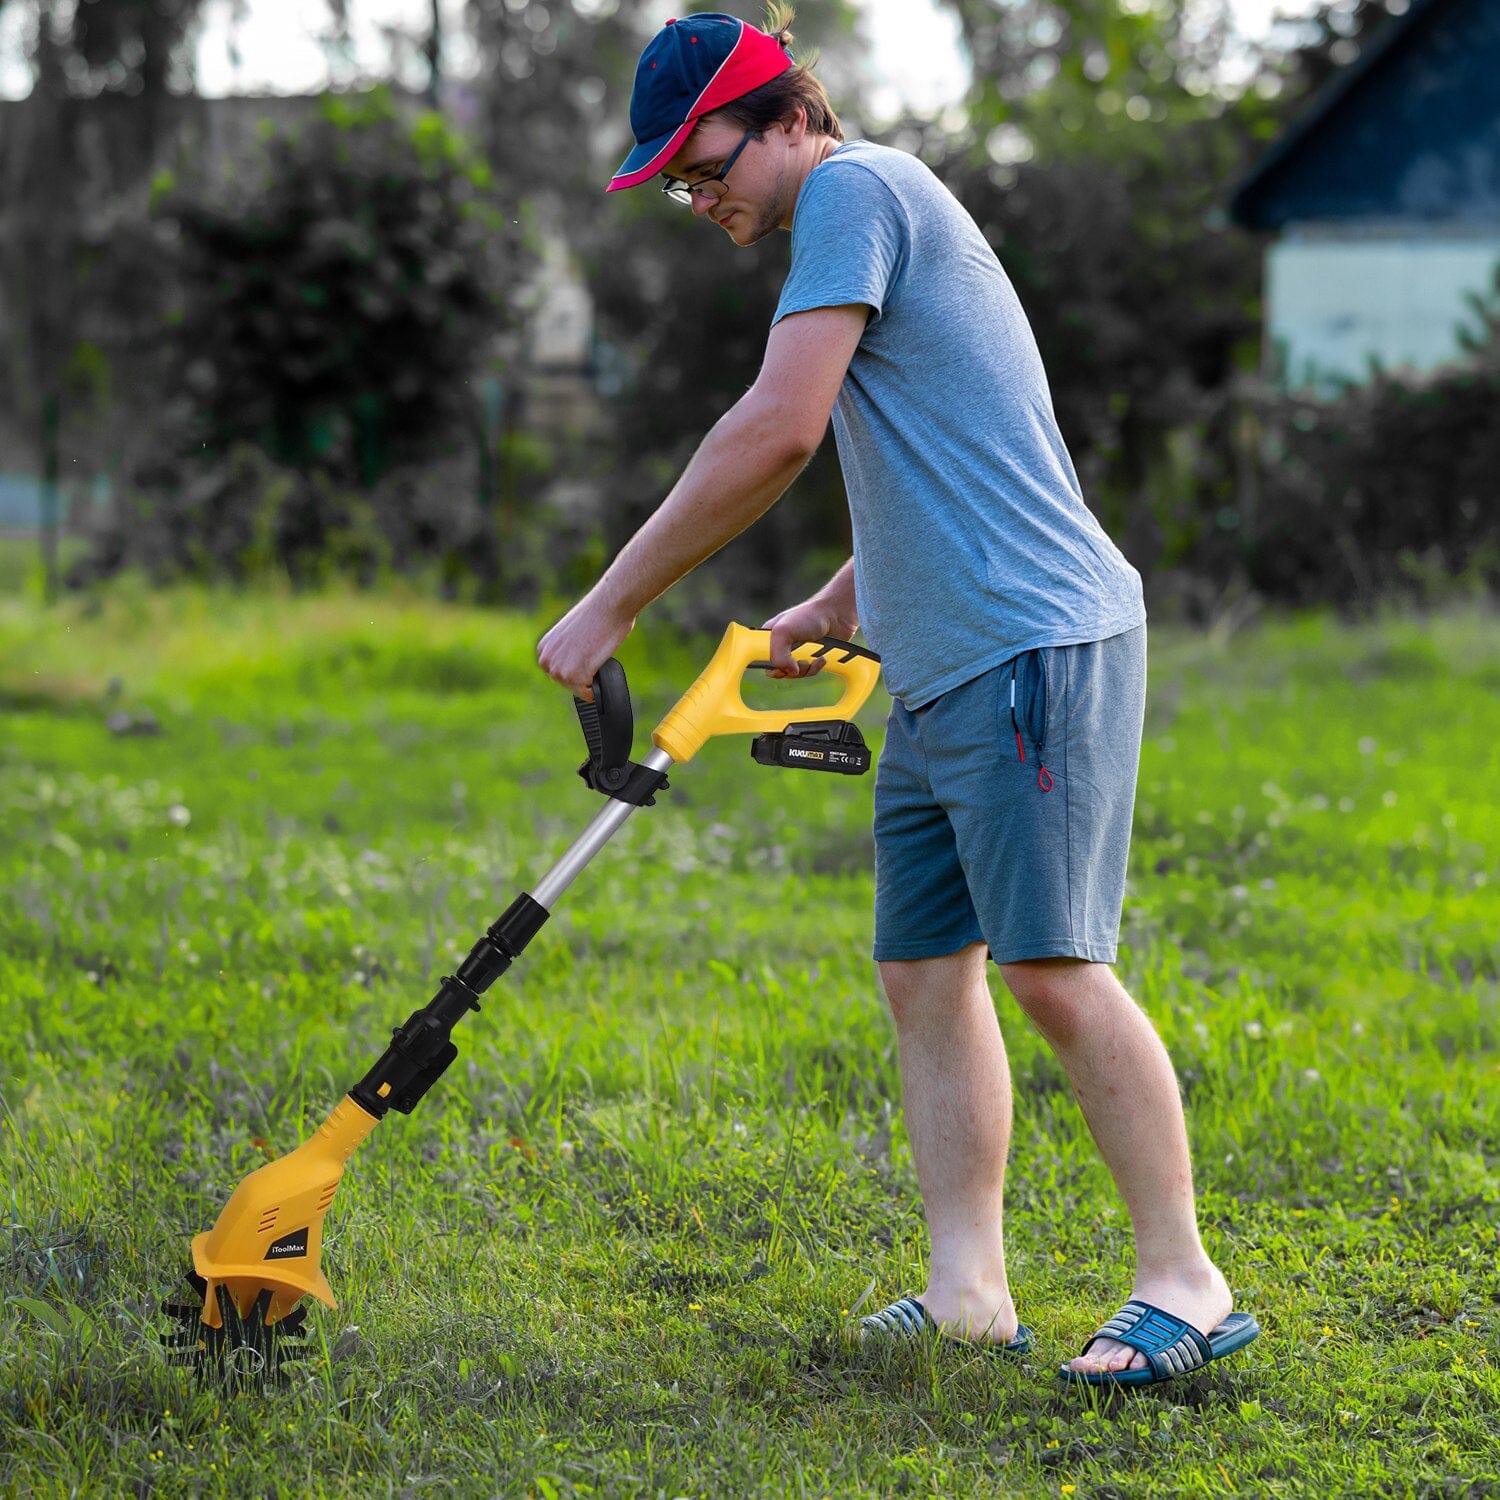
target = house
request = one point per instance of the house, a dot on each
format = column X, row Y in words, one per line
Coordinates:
column 1385, row 199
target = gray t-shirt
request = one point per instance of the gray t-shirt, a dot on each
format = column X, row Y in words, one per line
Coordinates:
column 971, row 539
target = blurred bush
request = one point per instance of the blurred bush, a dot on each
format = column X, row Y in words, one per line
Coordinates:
column 335, row 302
column 1392, row 489
column 246, row 519
column 690, row 314
column 1144, row 309
column 336, row 305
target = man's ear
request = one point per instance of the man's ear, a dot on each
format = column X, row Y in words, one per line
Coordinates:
column 796, row 126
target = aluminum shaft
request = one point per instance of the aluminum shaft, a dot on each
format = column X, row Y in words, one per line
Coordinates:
column 588, row 843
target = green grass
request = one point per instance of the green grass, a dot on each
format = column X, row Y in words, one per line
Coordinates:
column 613, row 1252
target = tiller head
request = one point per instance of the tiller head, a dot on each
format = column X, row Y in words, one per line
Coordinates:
column 262, row 1257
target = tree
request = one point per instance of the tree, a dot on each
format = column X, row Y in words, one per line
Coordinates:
column 554, row 91
column 59, row 295
column 1096, row 163
column 1083, row 74
column 1327, row 38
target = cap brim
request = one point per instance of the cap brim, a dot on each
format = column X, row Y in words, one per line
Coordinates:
column 649, row 158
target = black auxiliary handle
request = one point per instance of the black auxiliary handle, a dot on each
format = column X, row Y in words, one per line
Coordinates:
column 609, row 730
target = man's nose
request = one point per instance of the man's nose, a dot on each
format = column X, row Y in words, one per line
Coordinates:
column 703, row 204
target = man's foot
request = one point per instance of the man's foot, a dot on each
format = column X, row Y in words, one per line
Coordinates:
column 977, row 1318
column 1202, row 1299
column 907, row 1318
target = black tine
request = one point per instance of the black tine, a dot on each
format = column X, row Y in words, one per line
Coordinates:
column 292, row 1326
column 242, row 1351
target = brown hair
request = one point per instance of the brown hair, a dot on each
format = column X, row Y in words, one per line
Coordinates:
column 780, row 99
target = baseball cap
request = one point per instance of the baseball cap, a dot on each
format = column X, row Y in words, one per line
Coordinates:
column 691, row 67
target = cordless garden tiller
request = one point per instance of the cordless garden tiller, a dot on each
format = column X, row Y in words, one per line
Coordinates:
column 253, row 1268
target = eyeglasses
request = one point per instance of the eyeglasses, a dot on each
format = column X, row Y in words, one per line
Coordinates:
column 679, row 190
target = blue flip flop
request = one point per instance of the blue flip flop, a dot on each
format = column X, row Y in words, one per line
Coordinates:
column 1172, row 1348
column 906, row 1318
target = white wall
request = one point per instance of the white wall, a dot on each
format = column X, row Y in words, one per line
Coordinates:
column 561, row 323
column 1335, row 303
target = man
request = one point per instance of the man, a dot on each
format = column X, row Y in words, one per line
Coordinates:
column 1013, row 641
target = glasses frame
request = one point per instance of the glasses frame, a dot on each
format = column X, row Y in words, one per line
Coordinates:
column 680, row 190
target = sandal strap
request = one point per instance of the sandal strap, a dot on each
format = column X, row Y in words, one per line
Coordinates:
column 1171, row 1346
column 904, row 1316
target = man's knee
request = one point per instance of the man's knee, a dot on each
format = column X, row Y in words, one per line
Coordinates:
column 913, row 986
column 1060, row 995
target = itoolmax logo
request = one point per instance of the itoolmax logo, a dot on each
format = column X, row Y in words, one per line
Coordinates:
column 289, row 1246
column 805, row 755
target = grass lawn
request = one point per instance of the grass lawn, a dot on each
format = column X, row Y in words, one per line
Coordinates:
column 614, row 1251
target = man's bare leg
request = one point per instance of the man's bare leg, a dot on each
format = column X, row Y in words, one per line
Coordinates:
column 956, row 1099
column 1125, row 1085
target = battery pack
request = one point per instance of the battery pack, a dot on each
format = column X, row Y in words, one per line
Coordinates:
column 835, row 745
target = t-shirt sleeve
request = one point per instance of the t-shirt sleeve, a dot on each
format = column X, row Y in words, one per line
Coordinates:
column 849, row 242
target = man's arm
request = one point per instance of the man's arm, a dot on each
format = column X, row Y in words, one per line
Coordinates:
column 740, row 470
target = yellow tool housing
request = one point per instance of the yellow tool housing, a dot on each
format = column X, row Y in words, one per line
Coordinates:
column 714, row 705
column 270, row 1233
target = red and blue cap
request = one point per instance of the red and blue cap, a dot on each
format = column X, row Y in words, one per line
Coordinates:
column 691, row 67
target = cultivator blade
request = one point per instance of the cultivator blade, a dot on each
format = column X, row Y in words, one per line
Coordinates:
column 223, row 1344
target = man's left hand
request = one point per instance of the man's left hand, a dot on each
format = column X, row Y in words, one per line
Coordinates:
column 581, row 642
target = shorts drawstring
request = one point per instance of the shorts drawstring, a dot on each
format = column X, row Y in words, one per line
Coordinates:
column 1043, row 775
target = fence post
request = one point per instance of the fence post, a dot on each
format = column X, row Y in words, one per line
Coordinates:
column 49, row 517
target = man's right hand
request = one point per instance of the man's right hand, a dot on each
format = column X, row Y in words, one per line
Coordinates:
column 808, row 621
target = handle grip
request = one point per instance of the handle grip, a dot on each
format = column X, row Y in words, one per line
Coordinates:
column 608, row 719
column 713, row 704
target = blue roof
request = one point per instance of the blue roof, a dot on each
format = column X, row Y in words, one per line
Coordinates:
column 1408, row 131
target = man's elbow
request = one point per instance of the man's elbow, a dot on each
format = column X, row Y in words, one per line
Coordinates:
column 797, row 448
column 790, row 431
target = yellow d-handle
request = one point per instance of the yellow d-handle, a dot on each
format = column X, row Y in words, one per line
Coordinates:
column 713, row 704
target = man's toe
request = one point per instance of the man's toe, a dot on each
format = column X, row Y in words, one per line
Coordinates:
column 1107, row 1358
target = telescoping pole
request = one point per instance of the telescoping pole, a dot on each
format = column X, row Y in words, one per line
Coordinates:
column 421, row 1049
column 588, row 843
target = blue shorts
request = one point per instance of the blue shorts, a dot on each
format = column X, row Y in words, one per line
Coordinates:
column 1020, row 846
